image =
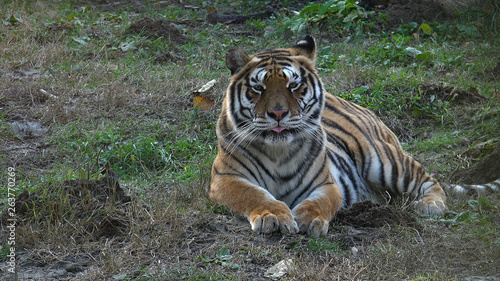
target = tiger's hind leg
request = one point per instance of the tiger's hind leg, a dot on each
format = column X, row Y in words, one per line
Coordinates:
column 431, row 204
column 402, row 175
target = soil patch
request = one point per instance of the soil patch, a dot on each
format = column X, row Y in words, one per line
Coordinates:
column 130, row 236
column 413, row 12
column 157, row 29
column 136, row 5
column 369, row 214
column 456, row 95
column 100, row 204
column 494, row 73
column 401, row 11
column 486, row 170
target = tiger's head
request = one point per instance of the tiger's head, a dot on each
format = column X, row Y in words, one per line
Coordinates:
column 275, row 96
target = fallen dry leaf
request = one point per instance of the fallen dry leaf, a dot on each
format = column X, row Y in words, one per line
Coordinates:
column 205, row 88
column 280, row 269
column 202, row 103
column 201, row 99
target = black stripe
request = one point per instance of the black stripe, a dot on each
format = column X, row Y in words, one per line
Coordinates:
column 407, row 176
column 240, row 163
column 314, row 150
column 332, row 124
column 342, row 184
column 228, row 174
column 367, row 137
column 308, row 188
column 348, row 198
column 342, row 144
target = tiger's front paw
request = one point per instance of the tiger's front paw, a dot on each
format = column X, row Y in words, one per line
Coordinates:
column 310, row 220
column 431, row 205
column 434, row 200
column 273, row 217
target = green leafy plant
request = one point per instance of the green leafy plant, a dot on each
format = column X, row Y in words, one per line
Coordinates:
column 4, row 252
column 223, row 257
column 340, row 15
column 400, row 49
column 323, row 245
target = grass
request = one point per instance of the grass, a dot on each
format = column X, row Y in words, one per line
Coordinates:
column 108, row 101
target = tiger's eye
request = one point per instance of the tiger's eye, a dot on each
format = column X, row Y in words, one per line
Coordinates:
column 258, row 88
column 293, row 85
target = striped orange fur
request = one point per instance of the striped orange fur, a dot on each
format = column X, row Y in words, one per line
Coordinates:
column 291, row 155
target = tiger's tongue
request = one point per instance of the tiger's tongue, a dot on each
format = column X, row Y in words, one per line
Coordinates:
column 278, row 129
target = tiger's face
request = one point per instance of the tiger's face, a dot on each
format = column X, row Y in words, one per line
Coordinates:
column 275, row 96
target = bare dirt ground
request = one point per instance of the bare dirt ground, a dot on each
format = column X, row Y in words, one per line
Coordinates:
column 99, row 212
column 119, row 238
column 112, row 235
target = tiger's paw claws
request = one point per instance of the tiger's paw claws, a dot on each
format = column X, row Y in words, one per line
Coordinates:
column 316, row 228
column 310, row 225
column 431, row 207
column 267, row 221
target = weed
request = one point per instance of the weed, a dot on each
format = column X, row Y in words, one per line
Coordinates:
column 339, row 16
column 4, row 252
column 223, row 257
column 322, row 245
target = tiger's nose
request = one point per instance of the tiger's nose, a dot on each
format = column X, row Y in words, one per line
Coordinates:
column 277, row 114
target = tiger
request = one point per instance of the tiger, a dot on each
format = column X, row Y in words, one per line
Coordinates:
column 290, row 155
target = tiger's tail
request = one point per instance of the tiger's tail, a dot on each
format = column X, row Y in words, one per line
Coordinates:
column 491, row 187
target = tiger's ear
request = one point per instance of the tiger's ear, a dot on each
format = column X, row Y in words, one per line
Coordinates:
column 306, row 47
column 236, row 59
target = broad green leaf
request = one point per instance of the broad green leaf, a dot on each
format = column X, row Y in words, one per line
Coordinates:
column 425, row 28
column 235, row 266
column 13, row 19
column 466, row 28
column 424, row 56
column 258, row 24
column 223, row 254
column 412, row 51
column 325, row 7
column 82, row 40
column 351, row 17
column 128, row 46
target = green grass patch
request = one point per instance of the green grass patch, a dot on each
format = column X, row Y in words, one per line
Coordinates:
column 151, row 151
